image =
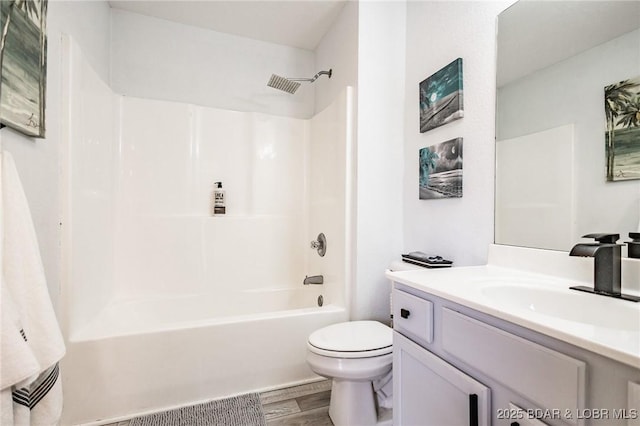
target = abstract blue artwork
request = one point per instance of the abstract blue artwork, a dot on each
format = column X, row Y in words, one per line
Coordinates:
column 441, row 97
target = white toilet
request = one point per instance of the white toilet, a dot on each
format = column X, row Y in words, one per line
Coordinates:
column 352, row 354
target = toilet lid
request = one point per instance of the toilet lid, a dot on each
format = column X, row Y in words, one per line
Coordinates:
column 352, row 339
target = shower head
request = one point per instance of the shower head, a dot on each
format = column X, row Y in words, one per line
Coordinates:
column 283, row 84
column 290, row 85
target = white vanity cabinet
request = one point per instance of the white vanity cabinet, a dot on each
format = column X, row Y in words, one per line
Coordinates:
column 457, row 366
column 432, row 392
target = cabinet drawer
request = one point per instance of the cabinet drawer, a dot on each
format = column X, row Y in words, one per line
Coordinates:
column 413, row 316
column 545, row 377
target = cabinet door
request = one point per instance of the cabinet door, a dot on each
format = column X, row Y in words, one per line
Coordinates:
column 430, row 392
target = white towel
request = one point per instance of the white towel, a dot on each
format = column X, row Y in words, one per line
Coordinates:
column 32, row 344
column 383, row 387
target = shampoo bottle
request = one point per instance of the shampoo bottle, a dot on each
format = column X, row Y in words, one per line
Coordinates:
column 218, row 199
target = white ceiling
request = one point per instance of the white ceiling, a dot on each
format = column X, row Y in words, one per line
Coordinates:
column 300, row 23
column 534, row 34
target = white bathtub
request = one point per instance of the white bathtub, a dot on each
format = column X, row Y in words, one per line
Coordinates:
column 140, row 356
column 152, row 314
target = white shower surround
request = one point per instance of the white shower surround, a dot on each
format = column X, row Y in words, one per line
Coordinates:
column 150, row 279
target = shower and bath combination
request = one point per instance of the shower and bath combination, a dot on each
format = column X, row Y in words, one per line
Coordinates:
column 211, row 294
column 290, row 85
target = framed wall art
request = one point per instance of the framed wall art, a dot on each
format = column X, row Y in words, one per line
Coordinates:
column 622, row 135
column 441, row 170
column 441, row 99
column 23, row 65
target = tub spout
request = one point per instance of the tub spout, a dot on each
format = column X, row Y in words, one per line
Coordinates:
column 315, row 279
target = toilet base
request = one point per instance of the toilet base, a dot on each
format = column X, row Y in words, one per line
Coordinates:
column 352, row 403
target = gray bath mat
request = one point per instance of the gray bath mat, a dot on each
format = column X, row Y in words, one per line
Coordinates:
column 243, row 410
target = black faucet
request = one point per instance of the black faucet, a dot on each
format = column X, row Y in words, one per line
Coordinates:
column 633, row 246
column 607, row 265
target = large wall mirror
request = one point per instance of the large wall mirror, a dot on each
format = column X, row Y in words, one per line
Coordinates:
column 554, row 60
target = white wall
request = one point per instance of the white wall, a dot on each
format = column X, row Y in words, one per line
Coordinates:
column 167, row 242
column 157, row 59
column 37, row 159
column 438, row 32
column 338, row 50
column 330, row 167
column 381, row 59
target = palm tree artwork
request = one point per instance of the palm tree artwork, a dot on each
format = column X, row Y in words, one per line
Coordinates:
column 427, row 164
column 622, row 136
column 441, row 170
column 23, row 63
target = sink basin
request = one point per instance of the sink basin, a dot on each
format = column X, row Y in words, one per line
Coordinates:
column 568, row 305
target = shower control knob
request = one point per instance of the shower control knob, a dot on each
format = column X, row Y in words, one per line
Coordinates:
column 320, row 244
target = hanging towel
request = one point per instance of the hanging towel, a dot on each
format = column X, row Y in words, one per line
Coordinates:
column 383, row 387
column 32, row 344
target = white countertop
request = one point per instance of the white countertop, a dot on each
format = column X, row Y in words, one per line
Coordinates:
column 598, row 333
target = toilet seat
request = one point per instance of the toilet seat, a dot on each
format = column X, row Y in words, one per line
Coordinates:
column 355, row 339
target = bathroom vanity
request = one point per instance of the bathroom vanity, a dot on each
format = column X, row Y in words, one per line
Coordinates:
column 502, row 345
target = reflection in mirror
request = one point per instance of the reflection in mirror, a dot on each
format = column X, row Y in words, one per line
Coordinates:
column 554, row 60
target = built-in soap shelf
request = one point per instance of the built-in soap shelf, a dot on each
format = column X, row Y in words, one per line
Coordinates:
column 250, row 216
column 225, row 216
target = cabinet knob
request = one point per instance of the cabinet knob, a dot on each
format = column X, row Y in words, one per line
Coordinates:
column 404, row 313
